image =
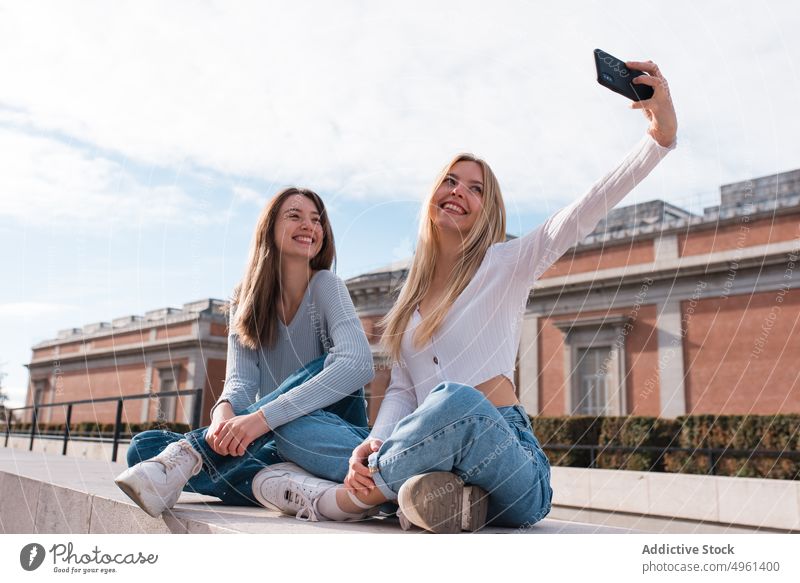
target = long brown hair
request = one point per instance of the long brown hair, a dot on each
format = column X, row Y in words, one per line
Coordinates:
column 257, row 295
column 489, row 228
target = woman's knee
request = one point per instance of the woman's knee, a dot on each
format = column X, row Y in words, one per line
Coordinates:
column 299, row 430
column 456, row 396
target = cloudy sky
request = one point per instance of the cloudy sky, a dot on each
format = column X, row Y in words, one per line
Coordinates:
column 140, row 140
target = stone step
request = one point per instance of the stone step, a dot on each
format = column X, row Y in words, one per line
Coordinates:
column 46, row 493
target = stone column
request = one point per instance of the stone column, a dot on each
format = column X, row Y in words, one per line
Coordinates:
column 529, row 364
column 670, row 359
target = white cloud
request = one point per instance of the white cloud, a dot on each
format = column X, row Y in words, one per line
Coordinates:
column 368, row 99
column 355, row 100
column 248, row 195
column 16, row 396
column 46, row 181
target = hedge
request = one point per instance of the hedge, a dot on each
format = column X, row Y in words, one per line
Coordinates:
column 577, row 430
column 635, row 432
column 745, row 432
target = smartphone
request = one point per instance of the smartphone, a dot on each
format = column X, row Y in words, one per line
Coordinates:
column 612, row 73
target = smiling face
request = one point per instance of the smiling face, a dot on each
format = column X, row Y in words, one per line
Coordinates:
column 458, row 201
column 298, row 230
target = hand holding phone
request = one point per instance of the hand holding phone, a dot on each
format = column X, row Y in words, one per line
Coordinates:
column 613, row 74
column 650, row 94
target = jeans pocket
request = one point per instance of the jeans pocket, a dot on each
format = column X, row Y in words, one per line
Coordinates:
column 532, row 445
column 520, row 425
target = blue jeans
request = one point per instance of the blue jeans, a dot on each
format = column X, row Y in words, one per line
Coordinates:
column 229, row 478
column 456, row 429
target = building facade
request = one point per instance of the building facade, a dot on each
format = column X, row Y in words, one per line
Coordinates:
column 165, row 350
column 658, row 312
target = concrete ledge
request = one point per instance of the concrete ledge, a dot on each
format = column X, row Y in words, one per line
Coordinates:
column 644, row 501
column 45, row 493
column 80, row 448
column 744, row 504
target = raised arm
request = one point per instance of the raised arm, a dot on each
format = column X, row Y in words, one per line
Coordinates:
column 525, row 259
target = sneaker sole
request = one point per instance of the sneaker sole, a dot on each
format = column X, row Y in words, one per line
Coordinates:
column 475, row 508
column 153, row 505
column 433, row 501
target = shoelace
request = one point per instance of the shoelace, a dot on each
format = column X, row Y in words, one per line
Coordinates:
column 175, row 454
column 308, row 508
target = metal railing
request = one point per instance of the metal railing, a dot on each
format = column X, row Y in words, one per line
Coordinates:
column 196, row 412
column 715, row 454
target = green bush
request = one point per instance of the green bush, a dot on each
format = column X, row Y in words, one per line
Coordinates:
column 735, row 432
column 744, row 432
column 51, row 428
column 635, row 432
column 87, row 428
column 574, row 430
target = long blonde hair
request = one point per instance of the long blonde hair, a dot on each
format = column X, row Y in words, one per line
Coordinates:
column 256, row 297
column 490, row 228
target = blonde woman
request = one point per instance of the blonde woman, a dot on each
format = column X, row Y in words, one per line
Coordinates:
column 295, row 346
column 451, row 443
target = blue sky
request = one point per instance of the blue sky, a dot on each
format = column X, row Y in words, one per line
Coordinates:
column 140, row 140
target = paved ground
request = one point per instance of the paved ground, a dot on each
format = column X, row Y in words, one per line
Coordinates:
column 46, row 493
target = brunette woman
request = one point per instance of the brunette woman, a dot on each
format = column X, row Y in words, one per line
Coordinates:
column 295, row 346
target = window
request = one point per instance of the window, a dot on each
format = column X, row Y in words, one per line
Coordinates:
column 591, row 384
column 594, row 365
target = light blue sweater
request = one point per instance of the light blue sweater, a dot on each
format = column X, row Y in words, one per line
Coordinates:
column 325, row 323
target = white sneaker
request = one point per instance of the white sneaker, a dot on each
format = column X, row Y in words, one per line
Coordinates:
column 290, row 489
column 156, row 484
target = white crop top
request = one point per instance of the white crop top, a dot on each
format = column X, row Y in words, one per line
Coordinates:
column 479, row 337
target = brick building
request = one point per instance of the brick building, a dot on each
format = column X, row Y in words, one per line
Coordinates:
column 659, row 311
column 165, row 350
